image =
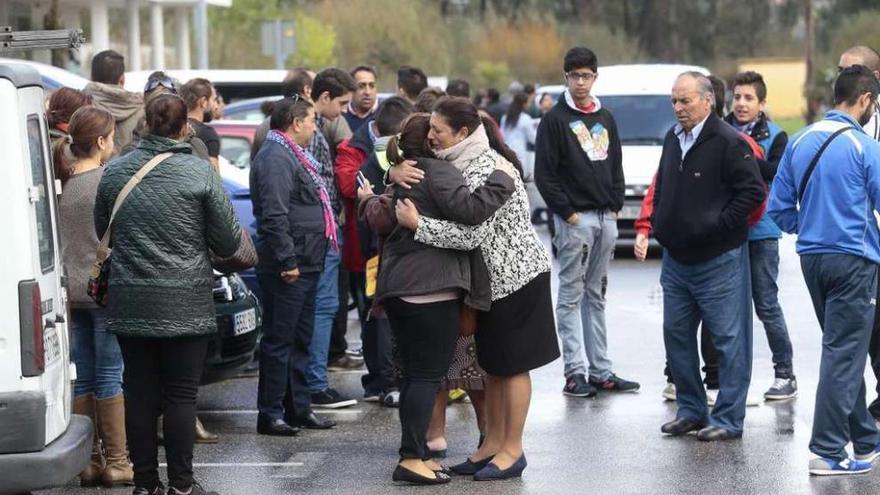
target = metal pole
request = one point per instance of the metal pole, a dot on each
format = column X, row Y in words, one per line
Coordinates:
column 279, row 46
column 201, row 18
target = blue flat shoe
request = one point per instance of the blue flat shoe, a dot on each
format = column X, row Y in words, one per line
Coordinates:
column 491, row 472
column 469, row 467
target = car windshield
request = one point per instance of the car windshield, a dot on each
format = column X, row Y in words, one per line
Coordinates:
column 641, row 119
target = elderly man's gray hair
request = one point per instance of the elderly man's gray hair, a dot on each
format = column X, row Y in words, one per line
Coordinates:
column 704, row 85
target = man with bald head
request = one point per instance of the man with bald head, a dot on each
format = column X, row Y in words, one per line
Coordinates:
column 707, row 185
column 863, row 55
column 867, row 56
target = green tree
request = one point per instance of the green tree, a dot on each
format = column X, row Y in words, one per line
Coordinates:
column 315, row 43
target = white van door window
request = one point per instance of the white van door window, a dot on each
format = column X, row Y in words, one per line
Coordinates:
column 41, row 193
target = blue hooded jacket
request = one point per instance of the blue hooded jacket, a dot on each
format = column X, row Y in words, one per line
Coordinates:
column 836, row 215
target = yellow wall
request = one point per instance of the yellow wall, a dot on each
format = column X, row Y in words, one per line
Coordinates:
column 785, row 79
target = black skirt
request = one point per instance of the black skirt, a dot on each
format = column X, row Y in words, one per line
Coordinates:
column 519, row 333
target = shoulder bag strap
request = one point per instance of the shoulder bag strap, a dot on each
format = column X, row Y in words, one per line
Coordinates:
column 812, row 166
column 103, row 248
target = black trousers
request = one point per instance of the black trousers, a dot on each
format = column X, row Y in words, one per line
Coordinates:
column 162, row 374
column 288, row 324
column 711, row 360
column 378, row 356
column 349, row 283
column 874, row 352
column 426, row 335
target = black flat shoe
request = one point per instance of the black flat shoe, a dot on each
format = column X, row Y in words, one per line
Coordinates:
column 314, row 422
column 681, row 426
column 469, row 467
column 492, row 472
column 403, row 474
column 276, row 428
column 444, row 470
column 714, row 434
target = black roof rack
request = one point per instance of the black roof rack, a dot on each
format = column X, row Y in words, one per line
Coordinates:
column 12, row 41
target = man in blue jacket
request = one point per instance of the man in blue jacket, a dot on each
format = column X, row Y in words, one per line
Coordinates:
column 749, row 100
column 826, row 190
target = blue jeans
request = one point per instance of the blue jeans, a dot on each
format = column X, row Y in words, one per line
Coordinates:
column 584, row 252
column 96, row 354
column 288, row 323
column 764, row 259
column 716, row 292
column 843, row 289
column 326, row 306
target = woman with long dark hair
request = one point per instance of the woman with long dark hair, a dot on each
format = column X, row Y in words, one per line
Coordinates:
column 518, row 127
column 422, row 288
column 97, row 391
column 517, row 334
column 159, row 300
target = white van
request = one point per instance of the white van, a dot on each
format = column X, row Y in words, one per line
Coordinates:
column 41, row 443
column 639, row 98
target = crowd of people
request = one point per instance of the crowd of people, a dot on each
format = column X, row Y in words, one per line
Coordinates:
column 414, row 208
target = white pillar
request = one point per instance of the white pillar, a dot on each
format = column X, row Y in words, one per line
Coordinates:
column 133, row 15
column 100, row 25
column 201, row 16
column 157, row 28
column 181, row 30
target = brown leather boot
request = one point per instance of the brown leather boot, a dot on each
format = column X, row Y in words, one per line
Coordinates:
column 84, row 405
column 111, row 426
column 203, row 435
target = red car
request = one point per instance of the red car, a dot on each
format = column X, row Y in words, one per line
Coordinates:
column 236, row 138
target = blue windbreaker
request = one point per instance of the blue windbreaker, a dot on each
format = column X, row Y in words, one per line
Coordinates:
column 837, row 212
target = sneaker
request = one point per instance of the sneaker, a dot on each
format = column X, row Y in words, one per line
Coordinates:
column 370, row 396
column 357, row 354
column 345, row 363
column 577, row 386
column 711, row 397
column 195, row 489
column 870, row 456
column 783, row 388
column 391, row 399
column 823, row 466
column 330, row 399
column 615, row 384
column 158, row 490
column 669, row 392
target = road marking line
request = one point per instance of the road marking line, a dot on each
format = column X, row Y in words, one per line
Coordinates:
column 243, row 464
column 254, row 411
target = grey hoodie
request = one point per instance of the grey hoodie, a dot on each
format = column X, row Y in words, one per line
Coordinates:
column 126, row 107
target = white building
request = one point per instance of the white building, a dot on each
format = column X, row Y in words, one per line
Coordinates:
column 188, row 16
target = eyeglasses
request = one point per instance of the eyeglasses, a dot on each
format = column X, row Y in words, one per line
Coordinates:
column 580, row 76
column 166, row 82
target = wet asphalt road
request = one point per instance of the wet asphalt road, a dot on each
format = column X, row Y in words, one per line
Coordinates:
column 607, row 445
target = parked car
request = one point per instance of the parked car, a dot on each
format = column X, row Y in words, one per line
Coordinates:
column 236, row 140
column 638, row 96
column 251, row 109
column 239, row 326
column 42, row 444
column 232, row 84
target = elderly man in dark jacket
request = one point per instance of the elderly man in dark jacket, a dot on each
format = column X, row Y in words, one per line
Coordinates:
column 292, row 248
column 707, row 185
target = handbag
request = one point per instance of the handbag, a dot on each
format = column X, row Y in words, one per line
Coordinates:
column 244, row 257
column 99, row 275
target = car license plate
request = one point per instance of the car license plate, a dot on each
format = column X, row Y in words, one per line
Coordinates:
column 629, row 212
column 51, row 346
column 245, row 322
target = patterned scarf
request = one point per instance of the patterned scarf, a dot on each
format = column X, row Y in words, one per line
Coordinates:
column 311, row 165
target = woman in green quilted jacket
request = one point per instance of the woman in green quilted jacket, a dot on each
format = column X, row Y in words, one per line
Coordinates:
column 160, row 301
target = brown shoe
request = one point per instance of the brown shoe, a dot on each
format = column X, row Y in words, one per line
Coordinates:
column 91, row 476
column 111, row 425
column 203, row 435
column 345, row 363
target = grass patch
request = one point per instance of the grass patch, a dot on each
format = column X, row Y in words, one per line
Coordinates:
column 791, row 125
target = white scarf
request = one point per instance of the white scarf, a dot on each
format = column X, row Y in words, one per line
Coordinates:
column 461, row 154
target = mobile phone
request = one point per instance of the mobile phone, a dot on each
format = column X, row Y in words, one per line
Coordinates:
column 361, row 180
